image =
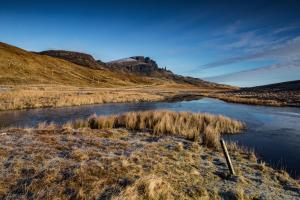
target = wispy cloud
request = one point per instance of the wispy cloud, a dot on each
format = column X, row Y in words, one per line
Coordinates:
column 287, row 28
column 279, row 72
column 289, row 50
column 240, row 43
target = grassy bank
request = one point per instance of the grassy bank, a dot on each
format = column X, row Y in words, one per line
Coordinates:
column 137, row 160
column 264, row 98
column 59, row 96
column 121, row 164
column 40, row 96
column 251, row 100
column 204, row 128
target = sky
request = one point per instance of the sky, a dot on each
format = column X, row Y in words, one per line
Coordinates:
column 242, row 43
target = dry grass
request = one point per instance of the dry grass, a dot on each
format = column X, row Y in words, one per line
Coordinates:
column 192, row 126
column 59, row 96
column 149, row 187
column 20, row 67
column 234, row 147
column 47, row 126
column 92, row 164
column 245, row 99
column 120, row 164
column 39, row 96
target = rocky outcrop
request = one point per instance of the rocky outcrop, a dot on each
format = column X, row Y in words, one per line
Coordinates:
column 148, row 67
column 136, row 64
column 75, row 57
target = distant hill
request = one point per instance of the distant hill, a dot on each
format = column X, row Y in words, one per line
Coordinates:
column 141, row 65
column 284, row 93
column 135, row 66
column 18, row 66
column 276, row 87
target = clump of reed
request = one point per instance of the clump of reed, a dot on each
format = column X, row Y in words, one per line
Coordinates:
column 47, row 126
column 205, row 128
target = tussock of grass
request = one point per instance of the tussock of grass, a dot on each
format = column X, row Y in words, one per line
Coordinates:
column 234, row 147
column 211, row 137
column 149, row 187
column 46, row 126
column 192, row 126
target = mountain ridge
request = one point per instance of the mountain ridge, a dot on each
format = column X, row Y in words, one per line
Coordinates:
column 19, row 66
column 137, row 65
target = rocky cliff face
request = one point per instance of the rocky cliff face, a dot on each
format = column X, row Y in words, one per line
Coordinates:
column 75, row 57
column 137, row 64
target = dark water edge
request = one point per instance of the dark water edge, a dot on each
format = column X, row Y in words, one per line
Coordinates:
column 273, row 132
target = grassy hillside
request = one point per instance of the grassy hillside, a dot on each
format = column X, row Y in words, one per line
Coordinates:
column 19, row 67
column 22, row 67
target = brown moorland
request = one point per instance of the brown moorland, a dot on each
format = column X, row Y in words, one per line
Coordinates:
column 133, row 161
column 31, row 80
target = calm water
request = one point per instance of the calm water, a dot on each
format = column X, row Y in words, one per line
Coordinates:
column 274, row 133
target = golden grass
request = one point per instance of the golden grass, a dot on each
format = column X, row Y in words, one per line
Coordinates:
column 244, row 99
column 149, row 187
column 39, row 96
column 56, row 163
column 59, row 96
column 192, row 126
column 20, row 67
column 234, row 147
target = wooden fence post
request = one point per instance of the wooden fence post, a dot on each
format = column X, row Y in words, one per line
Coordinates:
column 228, row 160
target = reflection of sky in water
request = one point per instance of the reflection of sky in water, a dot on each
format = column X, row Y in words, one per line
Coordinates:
column 273, row 132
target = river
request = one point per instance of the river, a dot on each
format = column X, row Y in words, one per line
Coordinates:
column 273, row 132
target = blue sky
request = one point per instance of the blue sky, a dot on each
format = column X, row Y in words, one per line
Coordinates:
column 234, row 42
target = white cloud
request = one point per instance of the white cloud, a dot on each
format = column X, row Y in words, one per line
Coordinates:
column 265, row 75
column 289, row 50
